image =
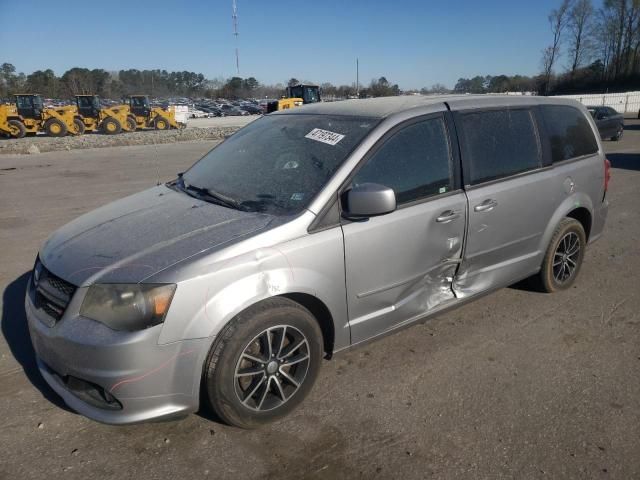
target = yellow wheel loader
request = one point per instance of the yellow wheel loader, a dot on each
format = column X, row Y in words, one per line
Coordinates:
column 110, row 120
column 28, row 116
column 146, row 116
column 297, row 95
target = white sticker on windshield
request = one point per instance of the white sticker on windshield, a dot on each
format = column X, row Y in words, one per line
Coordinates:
column 297, row 196
column 324, row 136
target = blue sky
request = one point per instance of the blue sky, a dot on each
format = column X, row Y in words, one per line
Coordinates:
column 413, row 43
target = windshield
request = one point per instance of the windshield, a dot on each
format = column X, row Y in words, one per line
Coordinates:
column 37, row 102
column 279, row 163
column 311, row 95
column 308, row 94
column 139, row 101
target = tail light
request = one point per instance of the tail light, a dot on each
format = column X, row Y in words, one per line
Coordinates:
column 607, row 174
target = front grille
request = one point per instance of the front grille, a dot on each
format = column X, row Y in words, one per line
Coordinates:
column 52, row 294
column 63, row 287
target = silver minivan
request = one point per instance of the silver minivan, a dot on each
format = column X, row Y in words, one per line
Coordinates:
column 305, row 233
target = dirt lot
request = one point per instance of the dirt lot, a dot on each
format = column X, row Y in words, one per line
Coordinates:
column 516, row 385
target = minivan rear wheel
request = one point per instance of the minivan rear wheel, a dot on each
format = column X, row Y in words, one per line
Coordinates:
column 564, row 256
column 264, row 363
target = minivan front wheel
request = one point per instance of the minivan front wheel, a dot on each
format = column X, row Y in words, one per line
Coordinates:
column 564, row 256
column 264, row 363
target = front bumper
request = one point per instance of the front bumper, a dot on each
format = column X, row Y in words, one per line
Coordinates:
column 145, row 380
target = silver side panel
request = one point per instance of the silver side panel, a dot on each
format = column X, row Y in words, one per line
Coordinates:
column 401, row 265
column 218, row 287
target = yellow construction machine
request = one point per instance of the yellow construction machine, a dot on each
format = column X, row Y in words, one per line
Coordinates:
column 146, row 116
column 29, row 116
column 109, row 120
column 297, row 95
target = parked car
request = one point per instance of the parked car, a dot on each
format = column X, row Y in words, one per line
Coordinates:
column 251, row 109
column 306, row 233
column 610, row 123
column 231, row 110
column 213, row 112
column 196, row 113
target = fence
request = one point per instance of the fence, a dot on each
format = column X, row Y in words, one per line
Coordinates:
column 628, row 102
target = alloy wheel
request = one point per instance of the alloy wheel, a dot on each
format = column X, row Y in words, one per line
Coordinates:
column 271, row 368
column 566, row 257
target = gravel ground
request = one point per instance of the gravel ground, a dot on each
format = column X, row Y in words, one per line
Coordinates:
column 235, row 121
column 41, row 143
column 515, row 385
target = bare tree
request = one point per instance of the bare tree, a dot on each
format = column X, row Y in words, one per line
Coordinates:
column 618, row 14
column 631, row 34
column 580, row 33
column 558, row 19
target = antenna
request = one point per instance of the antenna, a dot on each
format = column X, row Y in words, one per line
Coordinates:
column 357, row 77
column 157, row 162
column 235, row 33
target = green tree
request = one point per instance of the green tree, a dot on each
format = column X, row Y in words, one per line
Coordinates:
column 44, row 82
column 250, row 84
column 382, row 88
column 10, row 81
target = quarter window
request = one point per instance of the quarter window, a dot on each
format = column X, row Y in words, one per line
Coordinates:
column 500, row 143
column 569, row 132
column 414, row 162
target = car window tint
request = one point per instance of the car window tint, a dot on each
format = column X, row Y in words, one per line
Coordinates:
column 569, row 132
column 414, row 162
column 500, row 143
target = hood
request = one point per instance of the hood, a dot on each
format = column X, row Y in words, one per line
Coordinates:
column 131, row 239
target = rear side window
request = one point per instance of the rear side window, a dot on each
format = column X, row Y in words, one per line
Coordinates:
column 500, row 143
column 569, row 132
column 414, row 162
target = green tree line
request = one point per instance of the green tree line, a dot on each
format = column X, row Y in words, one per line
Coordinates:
column 162, row 83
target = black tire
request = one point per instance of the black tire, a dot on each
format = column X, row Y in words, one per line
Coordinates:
column 111, row 126
column 55, row 128
column 555, row 276
column 161, row 123
column 18, row 130
column 618, row 134
column 79, row 124
column 223, row 386
column 131, row 124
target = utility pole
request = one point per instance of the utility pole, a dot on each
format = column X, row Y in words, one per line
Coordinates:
column 235, row 33
column 357, row 77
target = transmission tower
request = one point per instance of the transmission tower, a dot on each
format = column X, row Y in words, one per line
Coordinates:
column 235, row 33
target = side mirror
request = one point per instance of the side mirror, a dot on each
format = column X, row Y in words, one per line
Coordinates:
column 368, row 200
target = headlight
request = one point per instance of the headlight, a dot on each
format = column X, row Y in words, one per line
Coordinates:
column 127, row 307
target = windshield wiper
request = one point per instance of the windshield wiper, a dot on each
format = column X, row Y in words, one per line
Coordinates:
column 209, row 195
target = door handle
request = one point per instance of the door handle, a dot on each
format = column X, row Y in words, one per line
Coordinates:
column 486, row 206
column 447, row 216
